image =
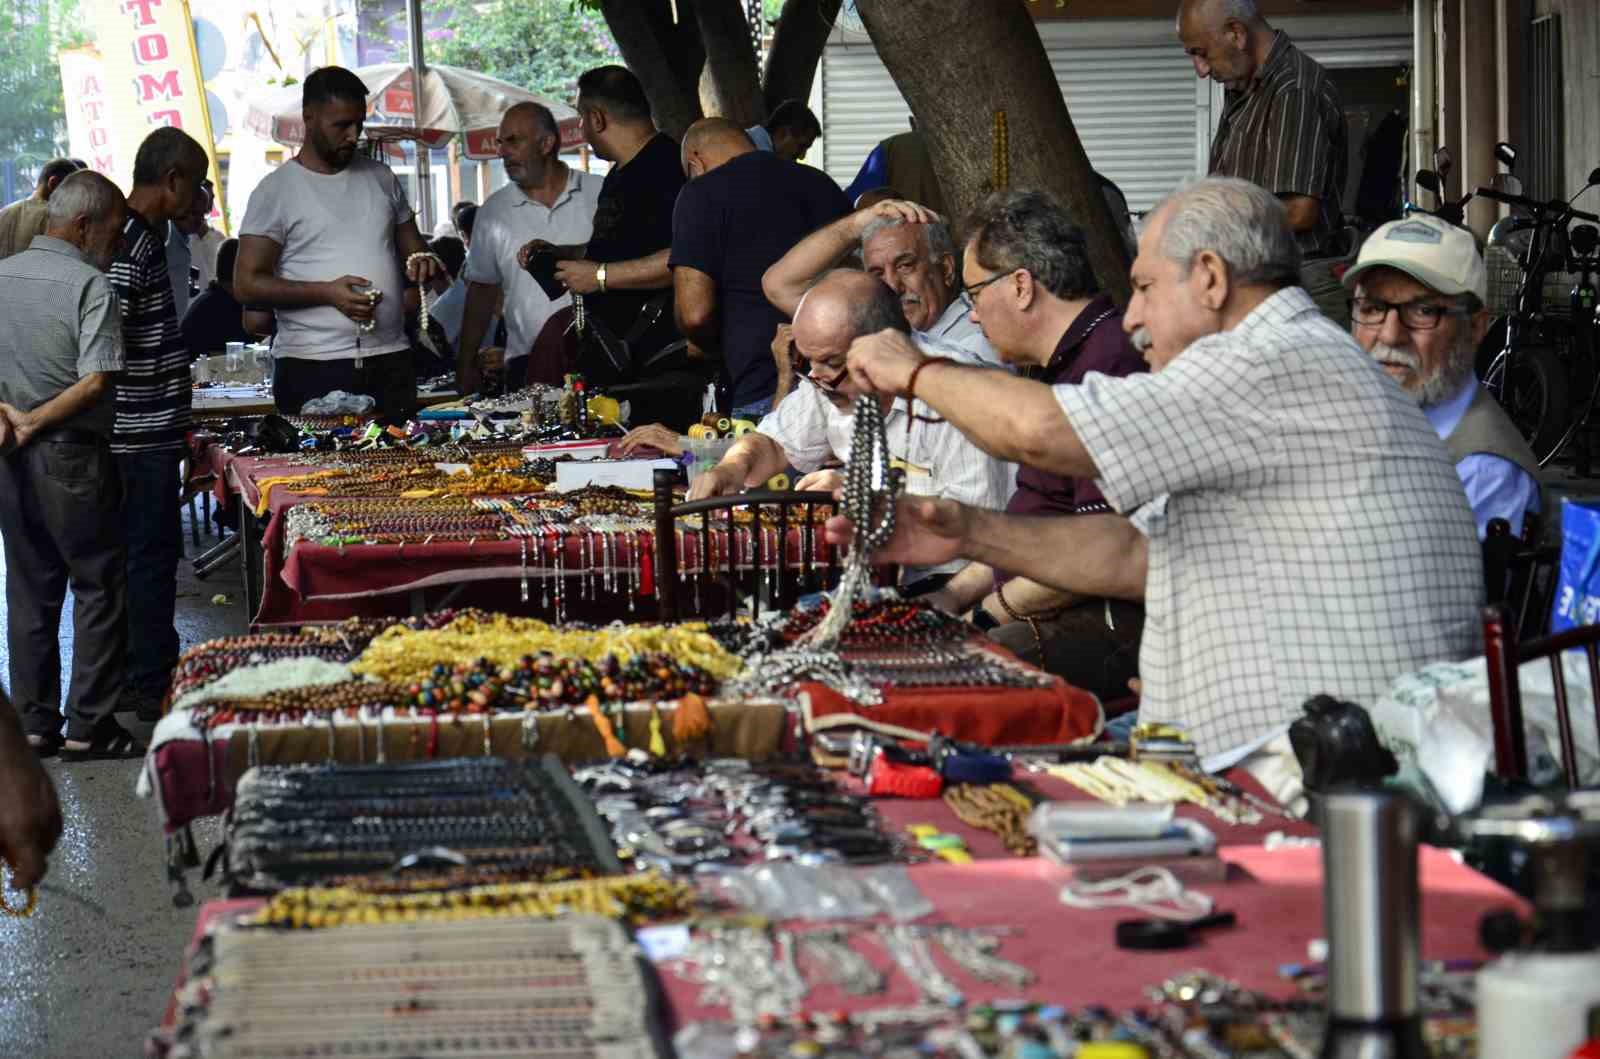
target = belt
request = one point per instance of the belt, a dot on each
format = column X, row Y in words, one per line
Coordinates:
column 72, row 436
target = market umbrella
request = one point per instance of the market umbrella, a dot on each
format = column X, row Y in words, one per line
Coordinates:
column 455, row 102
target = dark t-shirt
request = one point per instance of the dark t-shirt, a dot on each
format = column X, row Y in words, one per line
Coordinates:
column 633, row 219
column 733, row 224
column 214, row 319
column 1094, row 342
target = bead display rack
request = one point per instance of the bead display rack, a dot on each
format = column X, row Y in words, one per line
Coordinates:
column 488, row 817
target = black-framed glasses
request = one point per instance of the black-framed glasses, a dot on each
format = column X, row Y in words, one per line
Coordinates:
column 1417, row 315
column 972, row 290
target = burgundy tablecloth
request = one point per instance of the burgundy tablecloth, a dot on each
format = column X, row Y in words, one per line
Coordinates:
column 316, row 582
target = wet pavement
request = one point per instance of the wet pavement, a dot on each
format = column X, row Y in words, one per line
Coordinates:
column 89, row 974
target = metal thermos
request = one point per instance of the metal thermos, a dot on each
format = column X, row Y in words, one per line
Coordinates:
column 1370, row 898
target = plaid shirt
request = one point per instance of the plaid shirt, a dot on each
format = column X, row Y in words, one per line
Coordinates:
column 1307, row 532
column 1286, row 133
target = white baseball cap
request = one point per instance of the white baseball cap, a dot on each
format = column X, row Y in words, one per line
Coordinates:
column 1432, row 252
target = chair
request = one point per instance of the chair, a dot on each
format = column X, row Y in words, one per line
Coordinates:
column 1504, row 655
column 791, row 583
column 1519, row 576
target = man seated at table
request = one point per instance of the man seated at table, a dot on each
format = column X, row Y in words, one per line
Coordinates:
column 1420, row 286
column 1047, row 316
column 813, row 426
column 909, row 248
column 1295, row 525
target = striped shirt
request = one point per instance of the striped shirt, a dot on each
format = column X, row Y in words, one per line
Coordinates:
column 1286, row 133
column 154, row 391
column 1307, row 531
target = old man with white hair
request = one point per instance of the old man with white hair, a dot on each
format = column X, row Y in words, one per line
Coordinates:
column 1419, row 288
column 1295, row 525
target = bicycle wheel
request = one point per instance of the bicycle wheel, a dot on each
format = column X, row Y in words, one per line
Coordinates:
column 1536, row 395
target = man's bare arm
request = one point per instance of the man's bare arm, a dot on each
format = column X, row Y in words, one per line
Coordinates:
column 1304, row 211
column 695, row 307
column 476, row 316
column 64, row 406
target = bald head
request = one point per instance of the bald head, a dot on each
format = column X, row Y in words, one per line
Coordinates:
column 534, row 119
column 1227, row 40
column 530, row 144
column 710, row 142
column 843, row 305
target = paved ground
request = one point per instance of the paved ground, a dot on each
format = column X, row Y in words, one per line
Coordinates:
column 89, row 974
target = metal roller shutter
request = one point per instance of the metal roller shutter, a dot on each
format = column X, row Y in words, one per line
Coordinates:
column 1144, row 118
column 1134, row 107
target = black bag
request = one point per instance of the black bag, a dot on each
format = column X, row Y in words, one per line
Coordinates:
column 1337, row 746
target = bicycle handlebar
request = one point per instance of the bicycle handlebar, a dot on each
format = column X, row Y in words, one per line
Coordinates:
column 1554, row 206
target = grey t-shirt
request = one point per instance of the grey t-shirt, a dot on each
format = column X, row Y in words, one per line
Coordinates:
column 331, row 225
column 62, row 323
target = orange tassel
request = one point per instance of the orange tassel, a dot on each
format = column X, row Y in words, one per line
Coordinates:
column 691, row 720
column 602, row 724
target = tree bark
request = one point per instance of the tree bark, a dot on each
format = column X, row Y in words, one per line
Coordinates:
column 730, row 87
column 666, row 58
column 797, row 42
column 955, row 92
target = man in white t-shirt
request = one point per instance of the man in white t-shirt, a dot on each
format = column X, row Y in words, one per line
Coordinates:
column 546, row 199
column 322, row 243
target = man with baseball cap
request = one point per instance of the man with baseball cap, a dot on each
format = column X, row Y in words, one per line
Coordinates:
column 1419, row 286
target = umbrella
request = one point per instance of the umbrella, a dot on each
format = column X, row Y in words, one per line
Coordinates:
column 455, row 102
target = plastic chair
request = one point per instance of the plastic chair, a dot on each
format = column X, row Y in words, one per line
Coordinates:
column 1504, row 655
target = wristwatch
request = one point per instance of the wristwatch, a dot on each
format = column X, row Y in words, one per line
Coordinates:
column 600, row 278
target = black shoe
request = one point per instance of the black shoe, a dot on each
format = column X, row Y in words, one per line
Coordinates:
column 142, row 702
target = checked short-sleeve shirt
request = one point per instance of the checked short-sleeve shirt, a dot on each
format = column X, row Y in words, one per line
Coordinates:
column 1307, row 531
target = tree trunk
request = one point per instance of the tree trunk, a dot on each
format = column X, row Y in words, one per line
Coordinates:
column 731, row 84
column 797, row 42
column 955, row 92
column 666, row 58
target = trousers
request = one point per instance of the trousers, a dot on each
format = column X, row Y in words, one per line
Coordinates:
column 155, row 544
column 61, row 516
column 1082, row 647
column 389, row 379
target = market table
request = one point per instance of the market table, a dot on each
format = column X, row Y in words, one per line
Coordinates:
column 1275, row 893
column 311, row 582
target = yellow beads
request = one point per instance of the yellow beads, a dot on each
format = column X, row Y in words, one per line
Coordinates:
column 630, row 896
column 402, row 655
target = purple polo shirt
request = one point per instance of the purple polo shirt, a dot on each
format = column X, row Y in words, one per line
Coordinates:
column 1094, row 342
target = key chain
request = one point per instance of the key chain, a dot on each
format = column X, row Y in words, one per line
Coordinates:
column 24, row 910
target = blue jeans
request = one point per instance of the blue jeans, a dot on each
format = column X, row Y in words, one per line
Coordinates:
column 155, row 542
column 753, row 412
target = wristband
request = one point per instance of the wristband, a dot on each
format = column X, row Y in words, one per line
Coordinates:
column 983, row 619
column 911, row 383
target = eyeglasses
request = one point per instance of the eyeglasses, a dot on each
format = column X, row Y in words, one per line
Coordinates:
column 972, row 290
column 1418, row 315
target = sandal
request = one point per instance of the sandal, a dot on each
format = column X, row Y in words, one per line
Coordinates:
column 45, row 745
column 111, row 742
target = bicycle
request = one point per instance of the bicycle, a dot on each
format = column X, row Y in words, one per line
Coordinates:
column 1541, row 358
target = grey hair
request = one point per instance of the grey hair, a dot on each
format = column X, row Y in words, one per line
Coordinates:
column 1235, row 10
column 936, row 234
column 1027, row 229
column 84, row 194
column 1243, row 224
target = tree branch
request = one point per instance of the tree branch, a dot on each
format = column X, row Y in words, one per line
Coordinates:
column 798, row 38
column 731, row 84
column 667, row 59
